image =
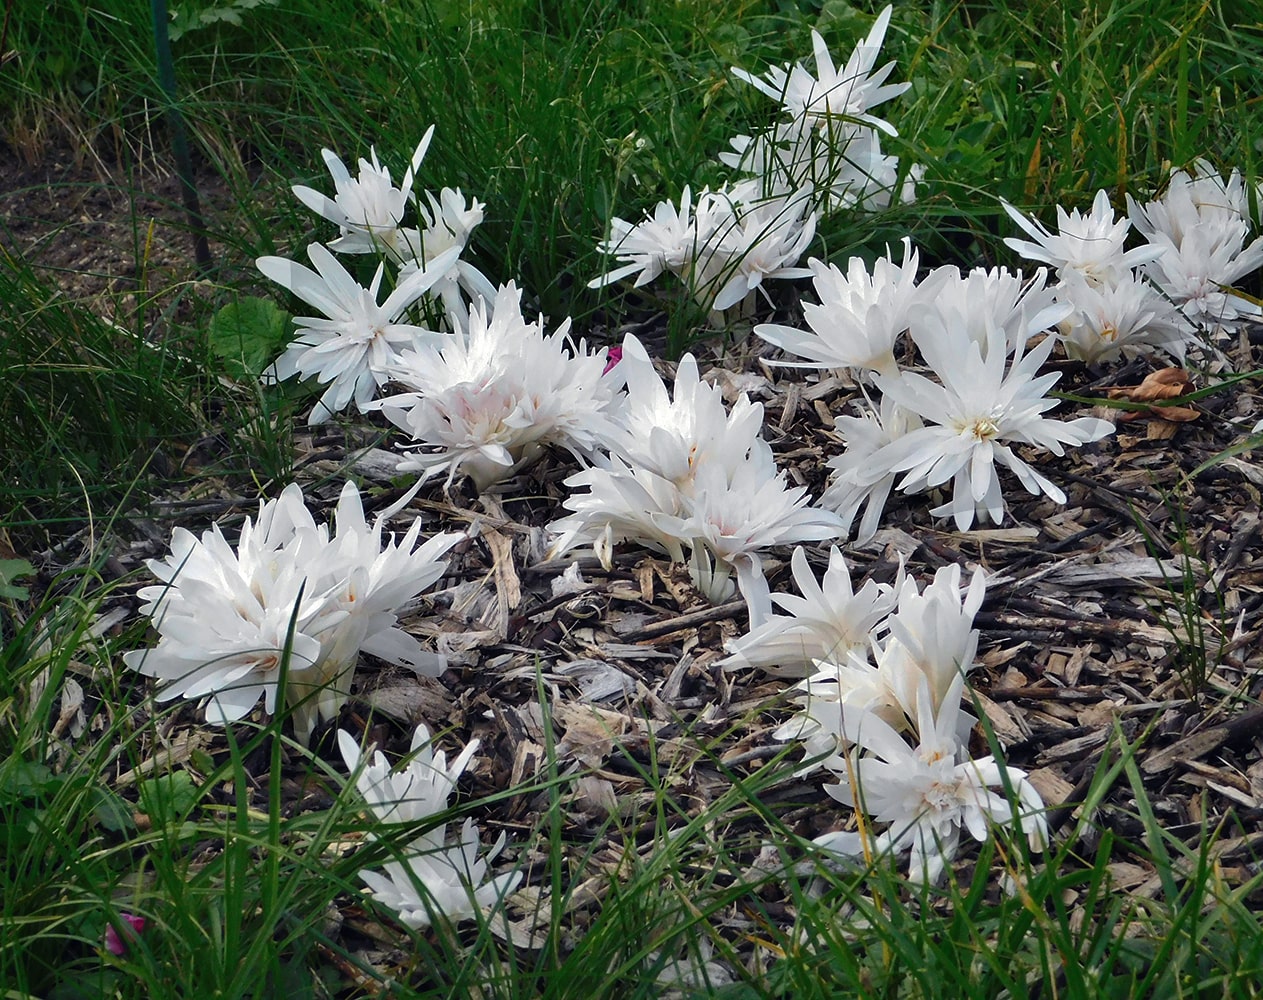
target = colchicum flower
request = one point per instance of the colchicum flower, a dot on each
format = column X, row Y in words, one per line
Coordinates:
column 859, row 318
column 722, row 249
column 930, row 642
column 227, row 618
column 1201, row 225
column 429, row 879
column 368, row 209
column 1129, row 316
column 983, row 299
column 925, row 795
column 827, row 623
column 686, row 474
column 847, row 93
column 358, row 341
column 1092, row 245
column 366, row 583
column 856, row 482
column 489, row 404
column 982, row 406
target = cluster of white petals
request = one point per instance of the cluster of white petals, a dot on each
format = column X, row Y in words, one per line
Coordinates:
column 860, row 316
column 857, row 715
column 685, row 475
column 430, row 878
column 824, row 155
column 983, row 404
column 722, row 248
column 972, row 331
column 356, row 343
column 828, row 622
column 928, row 638
column 488, row 403
column 1201, row 223
column 829, row 142
column 925, row 795
column 228, row 618
column 353, row 346
column 1111, row 307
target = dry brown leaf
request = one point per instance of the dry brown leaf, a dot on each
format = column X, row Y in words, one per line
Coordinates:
column 1165, row 383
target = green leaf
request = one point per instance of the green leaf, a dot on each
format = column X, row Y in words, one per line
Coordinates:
column 246, row 335
column 112, row 811
column 167, row 797
column 25, row 779
column 10, row 570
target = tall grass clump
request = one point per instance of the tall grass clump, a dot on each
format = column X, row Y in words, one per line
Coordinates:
column 85, row 403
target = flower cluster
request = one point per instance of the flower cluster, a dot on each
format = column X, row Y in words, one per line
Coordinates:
column 825, row 155
column 356, row 341
column 228, row 619
column 721, row 248
column 829, row 142
column 888, row 665
column 1200, row 225
column 489, row 402
column 429, row 879
column 684, row 473
column 972, row 331
column 1114, row 309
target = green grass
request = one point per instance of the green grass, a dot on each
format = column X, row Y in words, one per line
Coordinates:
column 557, row 116
column 237, row 891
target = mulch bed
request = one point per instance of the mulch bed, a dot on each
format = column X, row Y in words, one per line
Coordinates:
column 1131, row 613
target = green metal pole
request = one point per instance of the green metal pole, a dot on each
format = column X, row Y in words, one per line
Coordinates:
column 179, row 137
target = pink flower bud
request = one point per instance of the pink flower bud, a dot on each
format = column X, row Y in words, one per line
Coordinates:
column 115, row 943
column 612, row 357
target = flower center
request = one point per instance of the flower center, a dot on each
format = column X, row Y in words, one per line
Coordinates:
column 983, row 428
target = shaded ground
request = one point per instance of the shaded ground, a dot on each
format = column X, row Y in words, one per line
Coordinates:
column 1134, row 609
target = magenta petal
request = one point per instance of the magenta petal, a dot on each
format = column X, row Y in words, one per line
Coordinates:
column 114, row 943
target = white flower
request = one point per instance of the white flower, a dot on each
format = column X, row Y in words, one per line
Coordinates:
column 973, row 416
column 488, row 404
column 671, row 434
column 849, row 92
column 1199, row 273
column 225, row 616
column 856, row 482
column 622, row 503
column 1126, row 316
column 353, row 348
column 767, row 238
column 849, row 680
column 433, row 880
column 448, row 223
column 860, row 315
column 413, row 794
column 686, row 474
column 665, row 241
column 1192, row 199
column 931, row 637
column 828, row 622
column 928, row 795
column 734, row 516
column 984, row 299
column 721, row 249
column 842, row 166
column 368, row 209
column 1202, row 224
column 931, row 643
column 430, row 879
column 1094, row 245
